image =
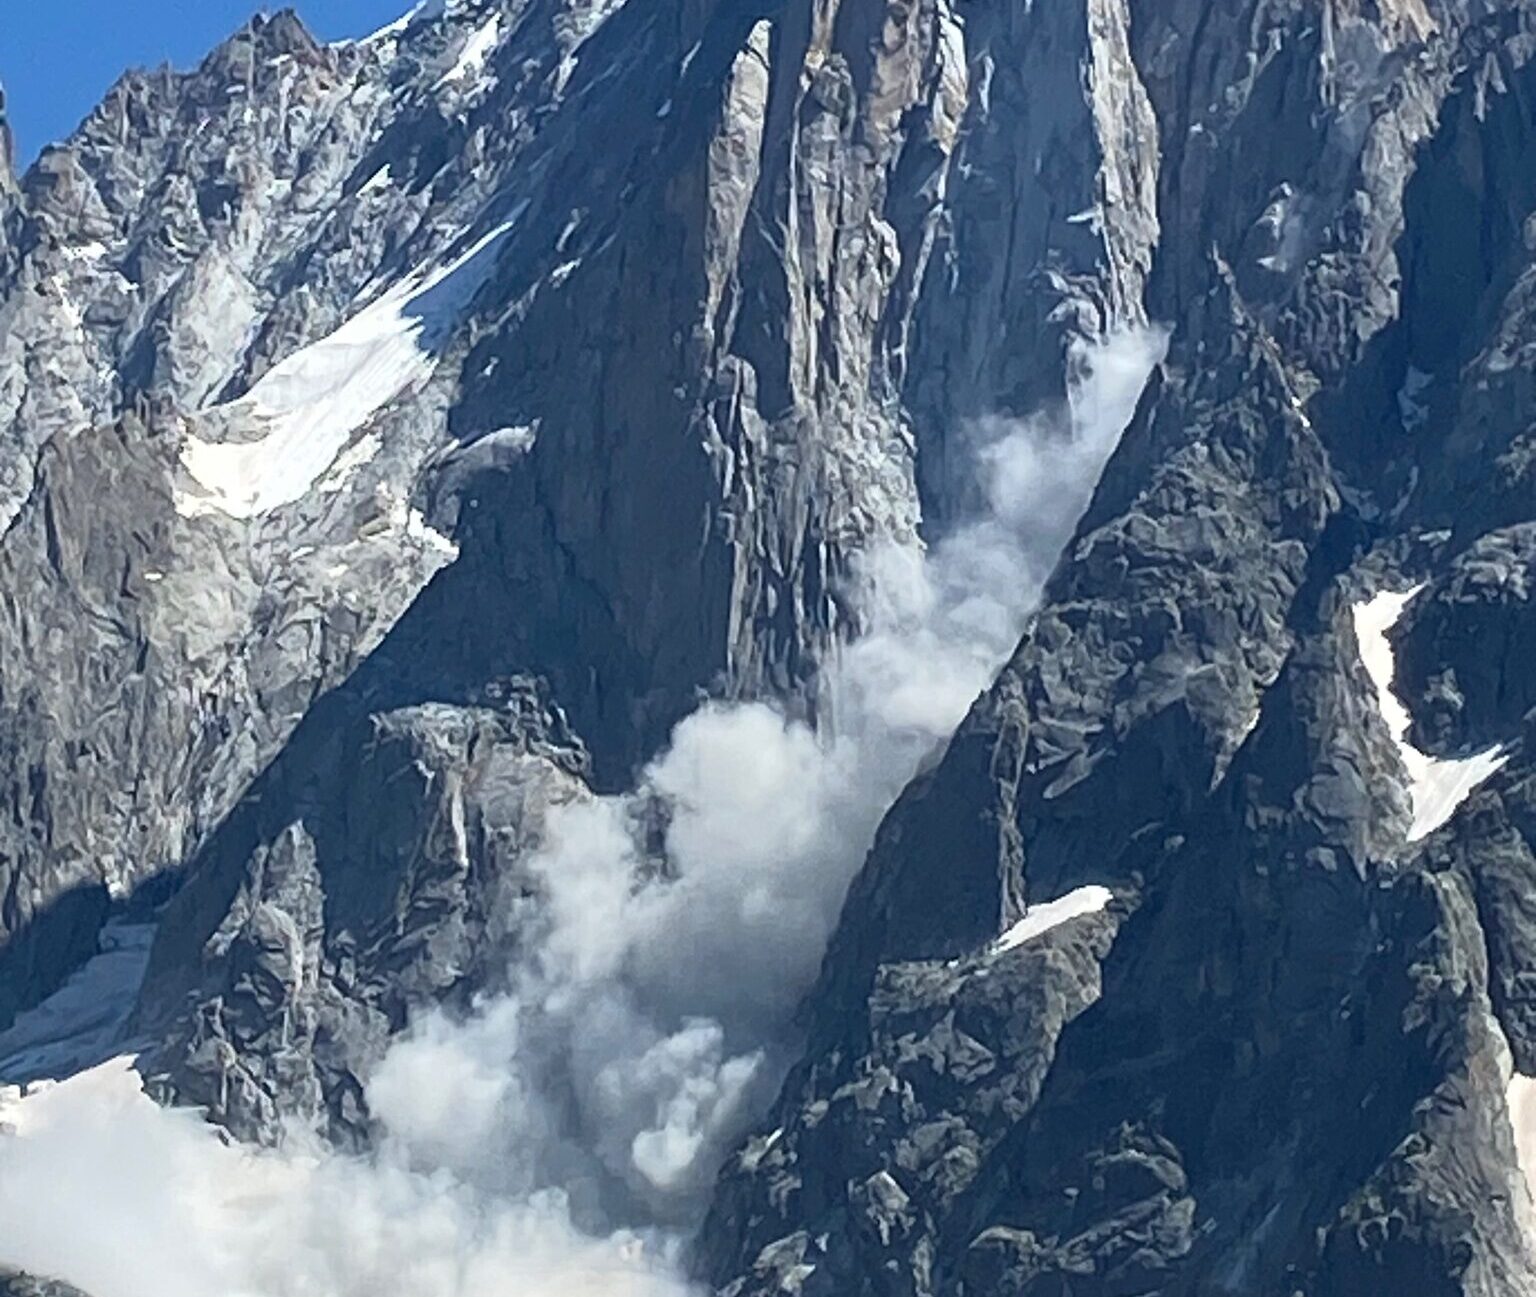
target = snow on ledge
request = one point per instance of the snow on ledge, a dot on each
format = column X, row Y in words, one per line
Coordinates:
column 470, row 65
column 1437, row 785
column 379, row 180
column 421, row 12
column 1521, row 1097
column 311, row 405
column 1040, row 919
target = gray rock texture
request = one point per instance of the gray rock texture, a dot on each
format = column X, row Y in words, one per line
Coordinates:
column 379, row 888
column 7, row 151
column 1289, row 961
column 22, row 1285
column 1462, row 652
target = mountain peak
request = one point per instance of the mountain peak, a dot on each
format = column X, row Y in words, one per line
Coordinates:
column 7, row 148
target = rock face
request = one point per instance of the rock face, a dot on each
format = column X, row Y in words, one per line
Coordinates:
column 399, row 835
column 402, row 436
column 21, row 1285
column 1287, row 1074
column 7, row 151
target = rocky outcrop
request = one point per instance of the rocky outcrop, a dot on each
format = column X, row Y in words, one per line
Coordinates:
column 1184, row 719
column 726, row 336
column 1462, row 649
column 22, row 1285
column 336, row 909
column 7, row 151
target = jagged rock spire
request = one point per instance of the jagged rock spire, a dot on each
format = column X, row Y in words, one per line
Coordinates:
column 7, row 149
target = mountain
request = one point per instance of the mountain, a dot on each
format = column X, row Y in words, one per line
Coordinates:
column 850, row 648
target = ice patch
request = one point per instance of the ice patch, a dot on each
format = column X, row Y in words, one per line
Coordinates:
column 1040, row 919
column 82, row 1022
column 311, row 405
column 1437, row 785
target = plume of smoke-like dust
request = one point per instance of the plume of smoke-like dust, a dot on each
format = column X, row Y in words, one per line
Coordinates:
column 562, row 1137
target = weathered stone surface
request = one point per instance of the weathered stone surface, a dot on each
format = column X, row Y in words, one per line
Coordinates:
column 1464, row 649
column 7, row 153
column 369, row 873
column 1204, row 590
column 23, row 1285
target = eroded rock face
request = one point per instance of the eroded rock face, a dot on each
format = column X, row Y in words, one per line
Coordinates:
column 21, row 1285
column 7, row 151
column 1186, row 695
column 360, row 901
column 1462, row 651
column 580, row 375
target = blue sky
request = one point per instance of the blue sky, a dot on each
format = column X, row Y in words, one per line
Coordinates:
column 58, row 57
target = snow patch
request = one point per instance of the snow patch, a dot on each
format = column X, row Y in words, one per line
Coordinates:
column 66, row 304
column 352, row 458
column 1437, row 785
column 380, row 179
column 1040, row 919
column 310, row 406
column 82, row 1022
column 419, row 530
column 472, row 58
column 1521, row 1098
column 578, row 27
column 519, row 438
column 84, row 252
column 425, row 10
